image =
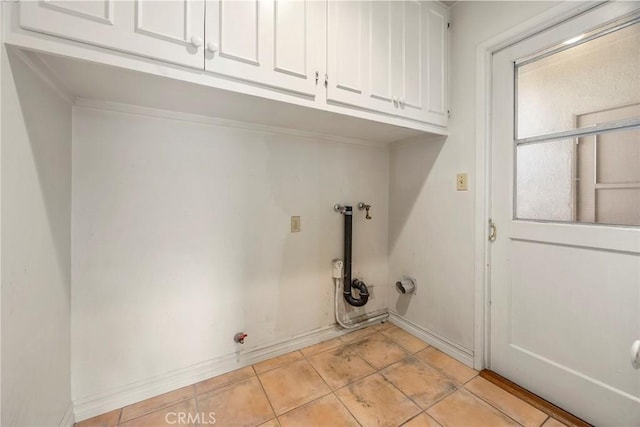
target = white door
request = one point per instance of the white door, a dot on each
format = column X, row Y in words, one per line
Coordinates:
column 170, row 31
column 565, row 295
column 270, row 42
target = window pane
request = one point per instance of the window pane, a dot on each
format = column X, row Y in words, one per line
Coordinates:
column 619, row 206
column 592, row 179
column 544, row 180
column 594, row 76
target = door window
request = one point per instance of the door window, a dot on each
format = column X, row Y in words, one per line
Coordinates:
column 577, row 129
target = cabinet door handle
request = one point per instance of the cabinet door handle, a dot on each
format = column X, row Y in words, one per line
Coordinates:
column 401, row 101
column 196, row 41
column 394, row 100
column 212, row 47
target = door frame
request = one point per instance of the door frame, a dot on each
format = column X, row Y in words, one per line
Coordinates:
column 482, row 259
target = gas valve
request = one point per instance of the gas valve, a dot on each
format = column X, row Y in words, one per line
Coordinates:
column 239, row 337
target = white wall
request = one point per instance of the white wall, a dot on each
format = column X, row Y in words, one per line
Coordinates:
column 431, row 231
column 181, row 238
column 36, row 214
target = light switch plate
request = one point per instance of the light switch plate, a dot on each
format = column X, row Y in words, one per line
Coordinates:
column 295, row 224
column 462, row 183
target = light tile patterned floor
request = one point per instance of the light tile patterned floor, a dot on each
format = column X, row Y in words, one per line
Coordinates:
column 377, row 376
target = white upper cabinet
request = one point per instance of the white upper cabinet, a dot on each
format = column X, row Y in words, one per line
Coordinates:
column 359, row 74
column 272, row 42
column 171, row 31
column 384, row 60
column 389, row 57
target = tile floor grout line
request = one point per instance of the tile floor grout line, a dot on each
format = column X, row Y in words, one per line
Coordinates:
column 443, row 372
column 195, row 402
column 379, row 372
column 423, row 412
column 545, row 420
column 355, row 379
column 494, row 406
column 395, row 341
column 409, row 397
column 440, row 399
column 279, row 366
column 333, row 392
column 345, row 407
column 363, row 358
column 305, row 404
column 220, row 387
column 267, row 396
column 402, row 392
column 458, row 386
column 173, row 403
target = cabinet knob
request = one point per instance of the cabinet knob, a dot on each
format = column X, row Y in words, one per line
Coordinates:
column 401, row 101
column 395, row 101
column 196, row 41
column 212, row 47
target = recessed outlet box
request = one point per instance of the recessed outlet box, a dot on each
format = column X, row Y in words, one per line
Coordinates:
column 462, row 182
column 295, row 224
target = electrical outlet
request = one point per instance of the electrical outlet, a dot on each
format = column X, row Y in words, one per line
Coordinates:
column 295, row 224
column 462, row 182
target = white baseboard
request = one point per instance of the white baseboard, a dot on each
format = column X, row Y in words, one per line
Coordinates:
column 68, row 420
column 131, row 393
column 454, row 350
column 92, row 406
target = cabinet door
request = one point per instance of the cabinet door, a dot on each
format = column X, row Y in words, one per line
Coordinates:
column 423, row 66
column 171, row 31
column 271, row 42
column 360, row 53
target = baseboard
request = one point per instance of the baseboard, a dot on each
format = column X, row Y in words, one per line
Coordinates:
column 68, row 419
column 131, row 393
column 454, row 350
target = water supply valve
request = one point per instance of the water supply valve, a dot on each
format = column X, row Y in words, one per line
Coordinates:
column 239, row 337
column 365, row 207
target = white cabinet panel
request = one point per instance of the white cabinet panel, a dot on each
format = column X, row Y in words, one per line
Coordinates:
column 438, row 64
column 414, row 57
column 359, row 54
column 291, row 38
column 423, row 65
column 346, row 41
column 99, row 11
column 380, row 53
column 389, row 57
column 171, row 31
column 238, row 27
column 270, row 42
